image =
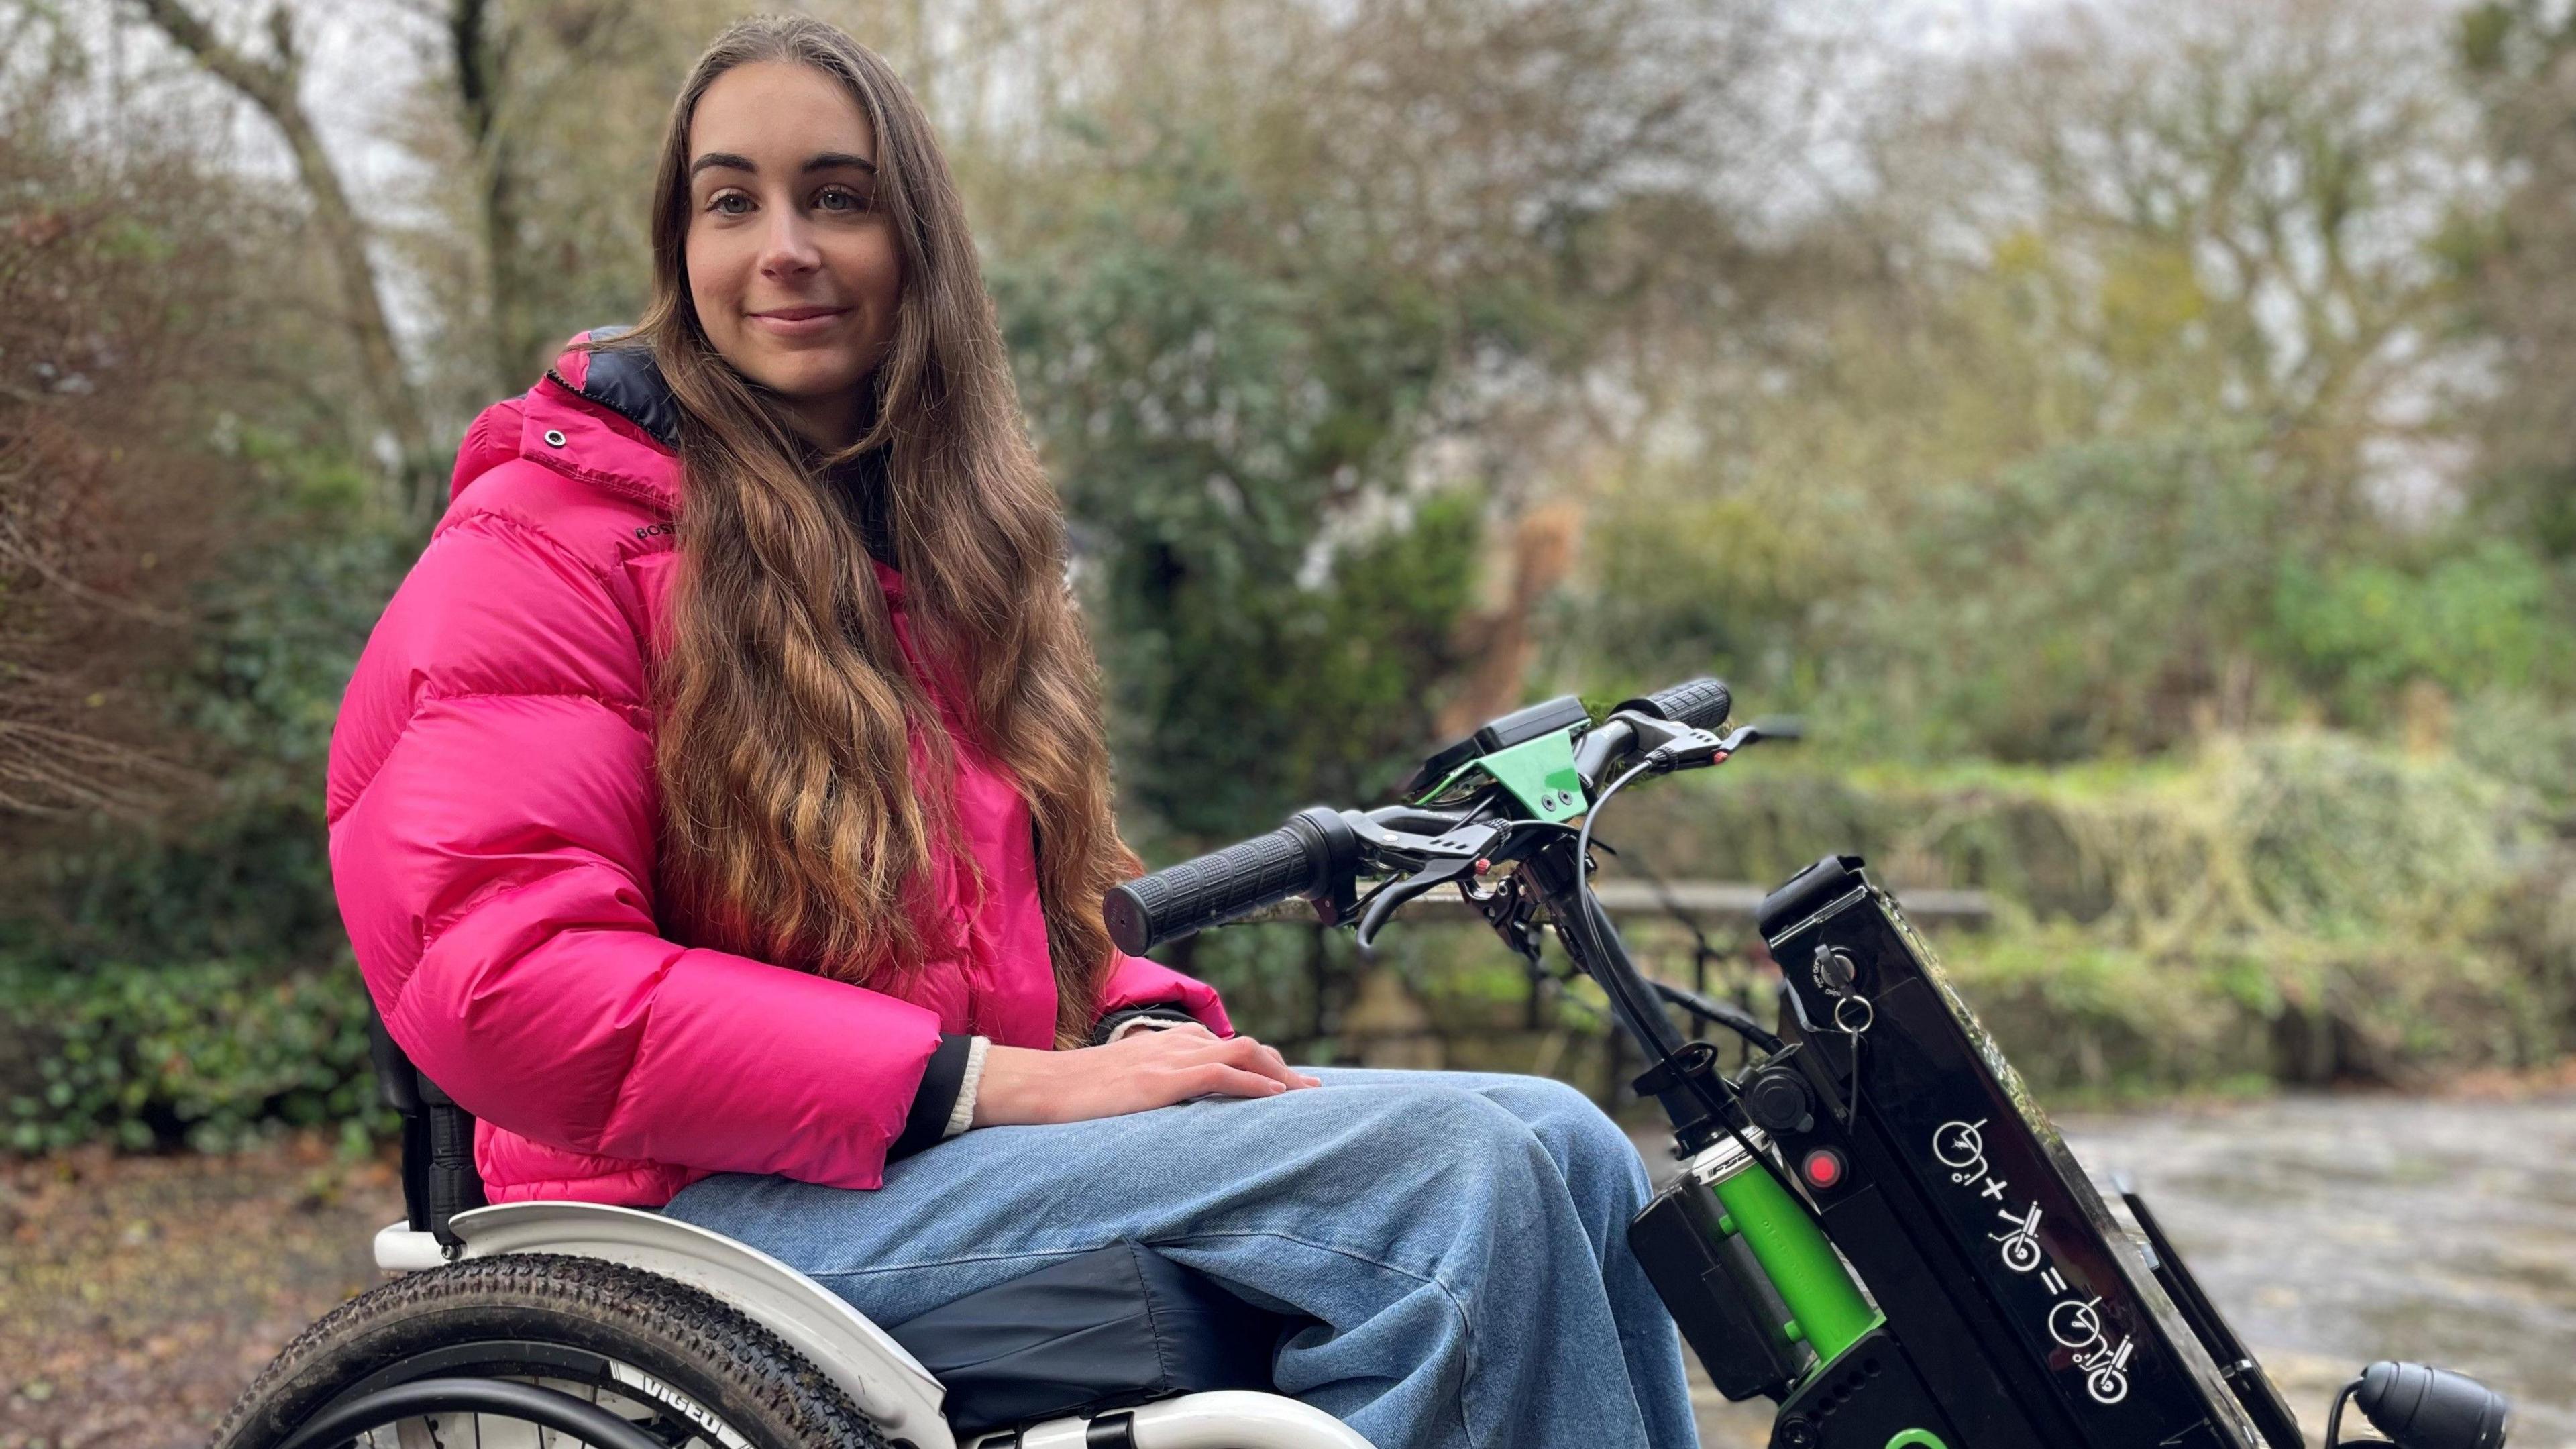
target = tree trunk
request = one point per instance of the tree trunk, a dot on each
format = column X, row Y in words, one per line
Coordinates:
column 272, row 86
column 481, row 54
column 1500, row 640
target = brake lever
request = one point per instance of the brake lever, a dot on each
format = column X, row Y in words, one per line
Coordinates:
column 1391, row 843
column 1446, row 870
column 1664, row 746
column 1692, row 749
column 1453, row 856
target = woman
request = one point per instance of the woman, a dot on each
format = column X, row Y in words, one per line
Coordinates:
column 720, row 812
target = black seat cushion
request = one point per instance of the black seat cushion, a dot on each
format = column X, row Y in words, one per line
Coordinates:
column 1106, row 1330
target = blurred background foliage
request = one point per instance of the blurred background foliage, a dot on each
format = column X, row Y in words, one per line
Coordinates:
column 2136, row 439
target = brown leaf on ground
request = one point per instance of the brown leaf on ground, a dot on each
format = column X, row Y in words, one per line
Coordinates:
column 139, row 1294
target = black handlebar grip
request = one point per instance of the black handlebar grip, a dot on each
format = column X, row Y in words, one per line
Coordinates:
column 1701, row 703
column 1301, row 858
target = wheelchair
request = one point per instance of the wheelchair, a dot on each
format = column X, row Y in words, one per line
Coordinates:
column 1831, row 1243
column 534, row 1324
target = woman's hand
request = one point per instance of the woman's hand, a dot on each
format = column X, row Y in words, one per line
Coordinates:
column 1137, row 1073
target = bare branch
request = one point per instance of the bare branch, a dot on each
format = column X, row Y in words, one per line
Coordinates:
column 271, row 86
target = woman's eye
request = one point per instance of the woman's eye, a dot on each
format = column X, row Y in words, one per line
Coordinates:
column 840, row 198
column 729, row 203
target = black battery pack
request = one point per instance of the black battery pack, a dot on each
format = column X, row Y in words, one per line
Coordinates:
column 2035, row 1318
column 1709, row 1280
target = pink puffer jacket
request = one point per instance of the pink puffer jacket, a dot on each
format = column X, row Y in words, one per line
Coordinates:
column 492, row 814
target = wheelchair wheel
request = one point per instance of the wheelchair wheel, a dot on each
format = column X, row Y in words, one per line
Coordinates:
column 530, row 1351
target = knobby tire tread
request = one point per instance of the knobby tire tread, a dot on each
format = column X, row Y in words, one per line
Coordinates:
column 643, row 1319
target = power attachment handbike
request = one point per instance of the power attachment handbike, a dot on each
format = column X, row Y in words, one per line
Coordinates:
column 1874, row 1227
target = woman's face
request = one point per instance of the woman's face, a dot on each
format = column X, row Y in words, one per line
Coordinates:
column 791, row 264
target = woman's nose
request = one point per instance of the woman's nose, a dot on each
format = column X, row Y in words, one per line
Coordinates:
column 787, row 247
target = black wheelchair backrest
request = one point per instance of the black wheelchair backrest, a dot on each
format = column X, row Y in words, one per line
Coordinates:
column 438, row 1176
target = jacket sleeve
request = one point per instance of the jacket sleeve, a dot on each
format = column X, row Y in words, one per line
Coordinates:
column 1136, row 982
column 493, row 823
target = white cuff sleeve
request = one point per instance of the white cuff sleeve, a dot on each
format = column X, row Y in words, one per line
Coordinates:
column 962, row 1116
column 1135, row 1024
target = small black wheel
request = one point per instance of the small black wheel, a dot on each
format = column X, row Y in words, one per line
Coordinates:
column 665, row 1358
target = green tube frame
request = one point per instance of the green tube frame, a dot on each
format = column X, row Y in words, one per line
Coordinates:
column 1809, row 1274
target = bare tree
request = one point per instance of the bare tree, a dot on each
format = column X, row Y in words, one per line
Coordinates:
column 479, row 49
column 2221, row 206
column 531, row 125
column 119, row 282
column 506, row 66
column 273, row 85
column 2522, row 56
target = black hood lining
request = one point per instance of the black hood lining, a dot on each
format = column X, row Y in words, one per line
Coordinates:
column 627, row 382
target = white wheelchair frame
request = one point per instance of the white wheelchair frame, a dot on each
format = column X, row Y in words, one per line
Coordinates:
column 882, row 1380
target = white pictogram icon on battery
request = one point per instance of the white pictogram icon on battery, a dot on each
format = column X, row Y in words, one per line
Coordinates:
column 2020, row 1239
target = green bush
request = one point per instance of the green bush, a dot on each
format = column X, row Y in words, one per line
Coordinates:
column 2062, row 607
column 2296, row 905
column 2080, row 1013
column 2488, row 618
column 2529, row 743
column 204, row 1055
column 185, row 982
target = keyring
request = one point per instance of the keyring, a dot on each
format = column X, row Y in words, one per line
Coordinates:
column 1868, row 1015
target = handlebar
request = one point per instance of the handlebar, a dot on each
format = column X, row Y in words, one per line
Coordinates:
column 1518, row 820
column 1698, row 704
column 1318, row 852
column 1701, row 703
column 1304, row 857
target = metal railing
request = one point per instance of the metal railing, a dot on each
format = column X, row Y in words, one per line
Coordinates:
column 1731, row 901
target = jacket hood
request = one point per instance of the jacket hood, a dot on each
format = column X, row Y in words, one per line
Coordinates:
column 602, row 414
column 625, row 380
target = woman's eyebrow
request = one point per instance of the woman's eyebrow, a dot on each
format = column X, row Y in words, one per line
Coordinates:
column 824, row 161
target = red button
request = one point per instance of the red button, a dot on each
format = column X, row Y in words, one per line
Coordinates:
column 1823, row 1167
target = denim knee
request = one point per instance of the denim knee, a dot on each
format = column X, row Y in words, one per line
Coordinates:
column 1593, row 1146
column 1453, row 1125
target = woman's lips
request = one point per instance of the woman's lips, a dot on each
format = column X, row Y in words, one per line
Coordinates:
column 798, row 321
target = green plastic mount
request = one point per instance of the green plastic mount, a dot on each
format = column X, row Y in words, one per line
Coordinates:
column 1917, row 1439
column 1794, row 1255
column 1540, row 774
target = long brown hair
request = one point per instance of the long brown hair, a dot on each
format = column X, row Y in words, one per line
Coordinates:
column 796, row 829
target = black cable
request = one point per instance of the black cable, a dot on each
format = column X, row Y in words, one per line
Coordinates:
column 1586, row 907
column 1853, row 1092
column 2334, row 1422
column 1583, row 837
column 1742, row 1024
column 1725, row 1014
column 1703, row 950
column 1698, row 1082
column 1696, row 1001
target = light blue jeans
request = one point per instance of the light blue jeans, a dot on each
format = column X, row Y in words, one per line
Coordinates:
column 1460, row 1238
